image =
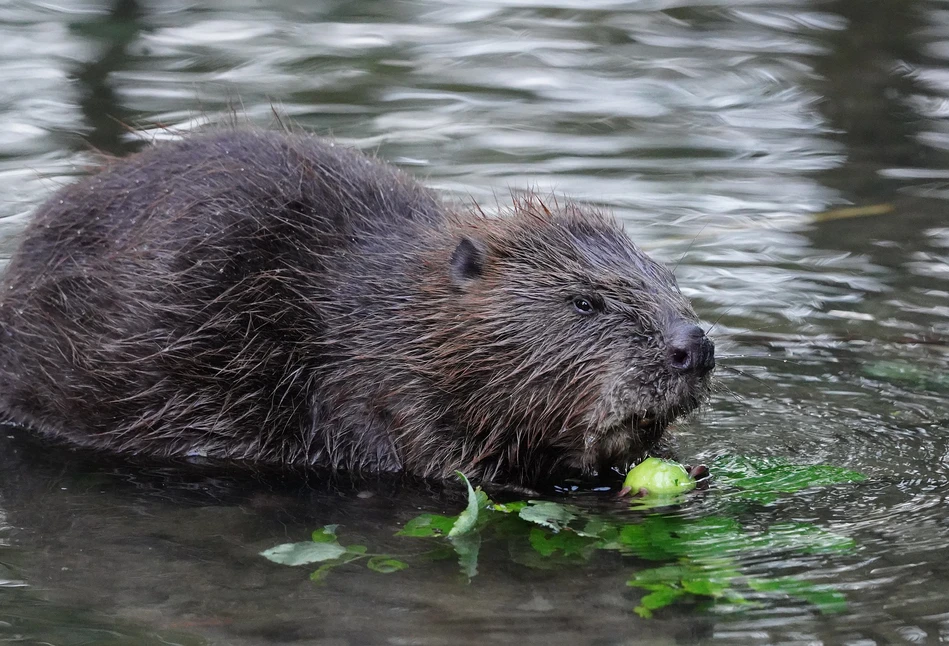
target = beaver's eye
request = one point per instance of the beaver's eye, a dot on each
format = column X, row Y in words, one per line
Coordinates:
column 583, row 305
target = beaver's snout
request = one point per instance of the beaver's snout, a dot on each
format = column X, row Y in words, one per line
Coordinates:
column 690, row 351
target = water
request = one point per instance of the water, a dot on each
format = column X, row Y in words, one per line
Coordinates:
column 730, row 137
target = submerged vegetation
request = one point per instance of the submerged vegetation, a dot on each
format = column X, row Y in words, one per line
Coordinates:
column 685, row 557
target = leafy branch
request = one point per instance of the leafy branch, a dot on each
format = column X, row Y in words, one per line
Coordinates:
column 698, row 557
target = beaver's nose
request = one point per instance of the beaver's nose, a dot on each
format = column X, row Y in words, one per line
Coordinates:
column 690, row 350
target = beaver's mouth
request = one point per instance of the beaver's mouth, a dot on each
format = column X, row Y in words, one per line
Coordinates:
column 649, row 423
column 627, row 431
column 623, row 440
column 643, row 430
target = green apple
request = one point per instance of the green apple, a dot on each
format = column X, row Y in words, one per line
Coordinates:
column 657, row 476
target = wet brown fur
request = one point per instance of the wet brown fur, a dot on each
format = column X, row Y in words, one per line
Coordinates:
column 271, row 297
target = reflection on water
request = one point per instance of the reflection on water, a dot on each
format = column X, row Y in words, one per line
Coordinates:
column 718, row 131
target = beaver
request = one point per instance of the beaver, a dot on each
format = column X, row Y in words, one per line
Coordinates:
column 270, row 297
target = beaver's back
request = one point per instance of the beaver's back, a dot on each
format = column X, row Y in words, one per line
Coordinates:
column 174, row 301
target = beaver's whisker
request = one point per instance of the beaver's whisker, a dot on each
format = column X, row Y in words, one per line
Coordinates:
column 748, row 375
column 688, row 249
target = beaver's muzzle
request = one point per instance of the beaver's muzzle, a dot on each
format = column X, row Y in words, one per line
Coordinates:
column 690, row 351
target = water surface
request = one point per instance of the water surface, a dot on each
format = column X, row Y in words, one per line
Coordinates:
column 789, row 158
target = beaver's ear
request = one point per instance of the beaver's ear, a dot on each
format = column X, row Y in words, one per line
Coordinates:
column 467, row 262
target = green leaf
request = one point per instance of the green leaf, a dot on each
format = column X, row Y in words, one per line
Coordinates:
column 303, row 553
column 547, row 514
column 661, row 576
column 713, row 579
column 353, row 553
column 385, row 564
column 801, row 537
column 637, row 539
column 568, row 543
column 712, row 537
column 697, row 557
column 657, row 599
column 483, row 501
column 467, row 547
column 428, row 525
column 319, row 575
column 826, row 599
column 466, row 519
column 599, row 528
column 325, row 535
column 908, row 373
column 762, row 479
column 438, row 553
column 509, row 507
column 705, row 587
column 541, row 543
column 659, row 537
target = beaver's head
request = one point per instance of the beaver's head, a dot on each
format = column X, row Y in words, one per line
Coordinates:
column 568, row 346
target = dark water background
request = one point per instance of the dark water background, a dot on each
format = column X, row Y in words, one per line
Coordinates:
column 719, row 131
